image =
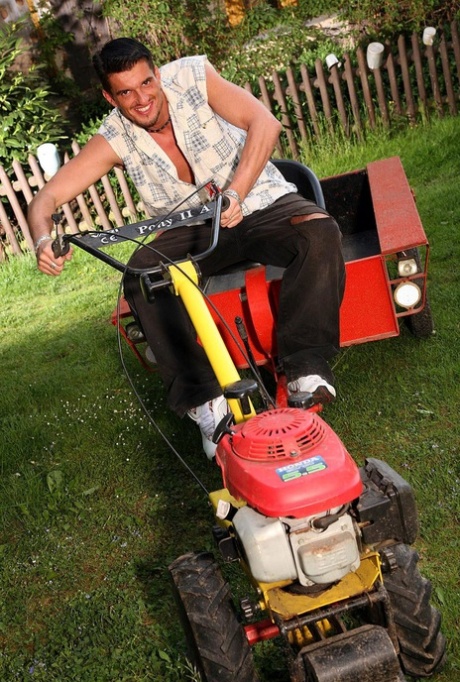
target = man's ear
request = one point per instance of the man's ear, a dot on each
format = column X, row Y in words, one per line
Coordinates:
column 109, row 98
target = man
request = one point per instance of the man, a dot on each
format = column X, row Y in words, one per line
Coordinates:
column 173, row 130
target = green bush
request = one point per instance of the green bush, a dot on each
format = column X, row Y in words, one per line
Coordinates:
column 392, row 17
column 267, row 39
column 27, row 117
column 171, row 28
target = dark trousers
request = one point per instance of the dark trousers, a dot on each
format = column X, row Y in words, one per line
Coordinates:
column 310, row 295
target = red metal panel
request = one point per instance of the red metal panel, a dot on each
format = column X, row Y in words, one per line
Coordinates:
column 398, row 222
column 231, row 304
column 259, row 306
column 367, row 311
column 122, row 311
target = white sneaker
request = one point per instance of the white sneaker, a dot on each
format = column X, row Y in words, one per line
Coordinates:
column 207, row 416
column 314, row 384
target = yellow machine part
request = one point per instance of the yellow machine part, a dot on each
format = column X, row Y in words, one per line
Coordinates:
column 288, row 605
column 225, row 496
column 184, row 279
column 276, row 600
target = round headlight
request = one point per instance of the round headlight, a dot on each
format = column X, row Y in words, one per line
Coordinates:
column 407, row 267
column 407, row 294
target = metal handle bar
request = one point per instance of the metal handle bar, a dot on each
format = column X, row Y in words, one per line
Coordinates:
column 95, row 242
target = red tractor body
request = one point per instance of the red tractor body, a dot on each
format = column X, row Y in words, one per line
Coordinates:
column 381, row 227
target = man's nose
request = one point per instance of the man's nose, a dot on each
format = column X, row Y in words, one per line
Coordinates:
column 142, row 97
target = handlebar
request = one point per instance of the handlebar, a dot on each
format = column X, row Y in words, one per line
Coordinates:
column 95, row 242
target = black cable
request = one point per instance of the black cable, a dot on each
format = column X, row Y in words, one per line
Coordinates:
column 166, row 259
column 142, row 403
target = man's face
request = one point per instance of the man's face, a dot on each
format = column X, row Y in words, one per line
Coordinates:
column 138, row 94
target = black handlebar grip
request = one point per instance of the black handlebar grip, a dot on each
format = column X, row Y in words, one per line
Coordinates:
column 60, row 246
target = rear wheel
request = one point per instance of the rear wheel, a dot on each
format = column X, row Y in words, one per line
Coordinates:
column 216, row 640
column 421, row 324
column 422, row 646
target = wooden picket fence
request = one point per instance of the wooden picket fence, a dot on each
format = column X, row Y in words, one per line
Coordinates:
column 415, row 81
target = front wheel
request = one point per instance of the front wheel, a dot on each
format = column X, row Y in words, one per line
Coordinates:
column 216, row 640
column 422, row 645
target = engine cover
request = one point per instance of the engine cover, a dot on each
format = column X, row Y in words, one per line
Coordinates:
column 288, row 462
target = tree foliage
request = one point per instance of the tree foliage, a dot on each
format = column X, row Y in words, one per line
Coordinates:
column 267, row 37
column 270, row 36
column 392, row 17
column 171, row 28
column 28, row 119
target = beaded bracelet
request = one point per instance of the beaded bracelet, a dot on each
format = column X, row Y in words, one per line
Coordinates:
column 40, row 240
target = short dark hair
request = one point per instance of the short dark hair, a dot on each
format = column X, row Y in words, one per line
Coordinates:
column 118, row 55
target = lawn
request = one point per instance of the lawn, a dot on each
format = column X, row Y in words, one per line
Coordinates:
column 94, row 504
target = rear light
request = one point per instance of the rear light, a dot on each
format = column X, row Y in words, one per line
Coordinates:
column 407, row 267
column 407, row 294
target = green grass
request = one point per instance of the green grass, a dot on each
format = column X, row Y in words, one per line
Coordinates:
column 94, row 505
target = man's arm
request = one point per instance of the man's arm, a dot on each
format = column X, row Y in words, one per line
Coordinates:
column 239, row 107
column 95, row 160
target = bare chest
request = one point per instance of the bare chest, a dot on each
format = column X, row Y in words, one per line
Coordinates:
column 167, row 141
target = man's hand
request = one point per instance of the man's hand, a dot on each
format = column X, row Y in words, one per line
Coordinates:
column 233, row 215
column 47, row 262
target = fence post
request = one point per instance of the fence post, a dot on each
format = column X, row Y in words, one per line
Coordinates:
column 334, row 78
column 307, row 88
column 323, row 92
column 352, row 94
column 381, row 96
column 417, row 57
column 434, row 79
column 403, row 60
column 27, row 192
column 292, row 90
column 456, row 46
column 285, row 120
column 363, row 74
column 393, row 83
column 447, row 77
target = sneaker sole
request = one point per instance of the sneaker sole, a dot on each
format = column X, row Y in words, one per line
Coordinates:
column 322, row 396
